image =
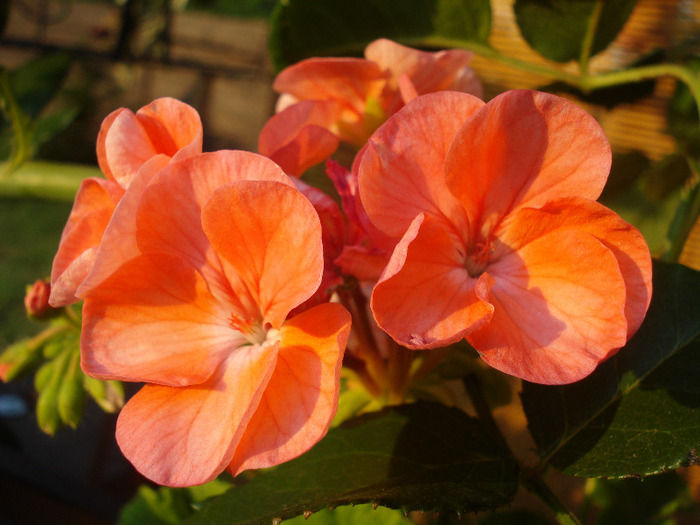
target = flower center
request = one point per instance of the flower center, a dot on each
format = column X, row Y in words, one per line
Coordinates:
column 479, row 257
column 253, row 331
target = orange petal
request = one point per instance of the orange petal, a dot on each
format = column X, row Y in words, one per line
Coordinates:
column 349, row 81
column 525, row 148
column 401, row 173
column 558, row 309
column 429, row 72
column 118, row 243
column 186, row 436
column 92, row 209
column 299, row 137
column 154, row 320
column 621, row 238
column 270, row 234
column 426, row 298
column 127, row 140
column 302, row 395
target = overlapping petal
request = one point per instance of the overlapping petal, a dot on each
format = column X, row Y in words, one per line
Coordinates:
column 349, row 81
column 127, row 140
column 428, row 72
column 425, row 297
column 624, row 241
column 186, row 436
column 300, row 136
column 301, row 398
column 263, row 229
column 155, row 320
column 92, row 209
column 525, row 148
column 553, row 318
column 401, row 173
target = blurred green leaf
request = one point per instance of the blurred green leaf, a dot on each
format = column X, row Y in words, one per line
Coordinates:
column 360, row 514
column 637, row 502
column 556, row 28
column 514, row 517
column 168, row 506
column 306, row 28
column 639, row 412
column 421, row 456
column 36, row 82
column 682, row 115
column 652, row 201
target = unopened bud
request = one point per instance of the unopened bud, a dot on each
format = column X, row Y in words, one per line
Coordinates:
column 36, row 300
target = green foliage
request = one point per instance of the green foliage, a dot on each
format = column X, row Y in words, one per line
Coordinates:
column 557, row 28
column 25, row 92
column 168, row 506
column 364, row 514
column 638, row 413
column 421, row 456
column 651, row 200
column 636, row 502
column 305, row 28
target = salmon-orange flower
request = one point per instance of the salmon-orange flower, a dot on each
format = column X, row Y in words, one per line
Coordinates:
column 327, row 100
column 501, row 240
column 130, row 146
column 197, row 306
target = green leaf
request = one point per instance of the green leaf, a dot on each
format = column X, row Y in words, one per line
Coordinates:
column 306, row 28
column 421, row 456
column 166, row 505
column 637, row 414
column 634, row 501
column 652, row 201
column 364, row 514
column 556, row 29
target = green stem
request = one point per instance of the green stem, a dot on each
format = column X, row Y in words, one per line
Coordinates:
column 686, row 217
column 585, row 82
column 589, row 38
column 21, row 147
column 563, row 514
column 46, row 180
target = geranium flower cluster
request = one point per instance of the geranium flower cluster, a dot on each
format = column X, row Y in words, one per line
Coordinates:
column 226, row 284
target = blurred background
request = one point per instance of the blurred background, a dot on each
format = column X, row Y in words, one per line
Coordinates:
column 88, row 58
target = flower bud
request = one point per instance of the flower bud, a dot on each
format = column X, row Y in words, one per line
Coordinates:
column 71, row 394
column 36, row 300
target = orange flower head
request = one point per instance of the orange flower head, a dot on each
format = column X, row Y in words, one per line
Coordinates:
column 131, row 147
column 500, row 239
column 325, row 101
column 191, row 293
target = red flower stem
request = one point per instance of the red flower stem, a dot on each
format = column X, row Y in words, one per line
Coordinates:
column 399, row 368
column 356, row 303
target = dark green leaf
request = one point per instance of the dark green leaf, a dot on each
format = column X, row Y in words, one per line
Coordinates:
column 421, row 456
column 635, row 502
column 556, row 28
column 515, row 517
column 305, row 28
column 638, row 413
